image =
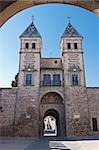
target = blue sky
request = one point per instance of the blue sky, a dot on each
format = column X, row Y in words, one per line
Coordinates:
column 51, row 21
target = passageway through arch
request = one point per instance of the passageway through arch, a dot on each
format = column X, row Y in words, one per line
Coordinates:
column 51, row 123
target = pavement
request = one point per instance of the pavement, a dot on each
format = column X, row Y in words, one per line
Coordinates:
column 12, row 143
column 23, row 144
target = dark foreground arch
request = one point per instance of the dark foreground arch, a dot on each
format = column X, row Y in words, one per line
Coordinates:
column 9, row 9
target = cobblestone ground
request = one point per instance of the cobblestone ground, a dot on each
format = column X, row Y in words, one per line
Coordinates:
column 45, row 144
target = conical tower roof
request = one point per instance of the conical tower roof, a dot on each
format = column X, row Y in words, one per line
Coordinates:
column 70, row 31
column 31, row 31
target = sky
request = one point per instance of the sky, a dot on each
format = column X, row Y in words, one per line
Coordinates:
column 51, row 21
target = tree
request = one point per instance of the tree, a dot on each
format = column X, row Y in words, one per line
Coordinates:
column 15, row 82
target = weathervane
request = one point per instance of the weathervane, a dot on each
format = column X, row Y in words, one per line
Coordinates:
column 33, row 18
column 69, row 18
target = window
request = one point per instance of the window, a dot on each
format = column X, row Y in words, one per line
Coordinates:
column 28, row 79
column 27, row 45
column 69, row 45
column 75, row 46
column 33, row 45
column 74, row 79
column 55, row 61
column 46, row 79
column 94, row 124
column 56, row 80
column 1, row 110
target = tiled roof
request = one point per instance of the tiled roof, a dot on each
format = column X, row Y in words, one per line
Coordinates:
column 51, row 63
column 70, row 31
column 31, row 31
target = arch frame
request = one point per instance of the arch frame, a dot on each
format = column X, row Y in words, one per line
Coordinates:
column 51, row 91
column 18, row 6
column 57, row 107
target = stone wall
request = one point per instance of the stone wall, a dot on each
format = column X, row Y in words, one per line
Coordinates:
column 59, row 108
column 22, row 112
column 51, row 63
column 93, row 96
column 77, row 112
column 7, row 111
column 27, row 112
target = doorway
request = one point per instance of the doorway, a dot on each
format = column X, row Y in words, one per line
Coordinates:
column 51, row 123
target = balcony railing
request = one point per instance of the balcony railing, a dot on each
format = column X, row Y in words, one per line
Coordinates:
column 51, row 83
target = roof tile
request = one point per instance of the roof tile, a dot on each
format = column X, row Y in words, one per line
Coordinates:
column 31, row 31
column 70, row 31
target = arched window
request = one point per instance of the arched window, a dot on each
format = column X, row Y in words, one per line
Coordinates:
column 69, row 45
column 26, row 45
column 33, row 45
column 75, row 46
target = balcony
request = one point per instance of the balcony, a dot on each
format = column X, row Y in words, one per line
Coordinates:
column 51, row 83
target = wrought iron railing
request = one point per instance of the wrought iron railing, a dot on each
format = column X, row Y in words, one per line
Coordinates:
column 51, row 83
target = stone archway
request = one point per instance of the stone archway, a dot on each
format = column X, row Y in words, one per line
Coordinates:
column 52, row 106
column 52, row 129
column 9, row 9
column 51, row 98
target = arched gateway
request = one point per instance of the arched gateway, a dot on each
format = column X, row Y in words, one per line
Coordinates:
column 51, row 123
column 52, row 115
column 50, row 91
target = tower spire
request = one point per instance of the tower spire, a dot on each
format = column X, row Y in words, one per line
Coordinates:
column 68, row 19
column 70, row 31
column 31, row 30
column 33, row 18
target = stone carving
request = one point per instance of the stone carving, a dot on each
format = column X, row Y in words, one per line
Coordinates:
column 29, row 68
column 51, row 98
column 74, row 68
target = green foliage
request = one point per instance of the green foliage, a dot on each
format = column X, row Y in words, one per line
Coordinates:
column 15, row 82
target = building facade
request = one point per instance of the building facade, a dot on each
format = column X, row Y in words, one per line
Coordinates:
column 51, row 94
